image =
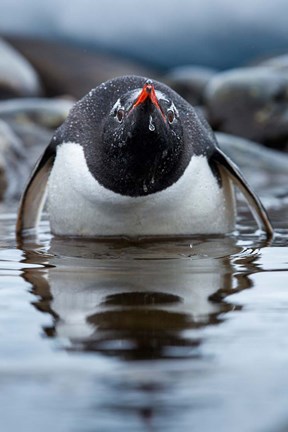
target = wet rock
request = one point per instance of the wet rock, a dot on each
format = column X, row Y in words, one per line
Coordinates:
column 279, row 63
column 17, row 76
column 34, row 139
column 66, row 69
column 46, row 112
column 251, row 155
column 4, row 144
column 20, row 147
column 190, row 82
column 26, row 127
column 250, row 102
column 11, row 156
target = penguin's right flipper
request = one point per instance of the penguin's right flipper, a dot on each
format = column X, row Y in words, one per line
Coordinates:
column 33, row 198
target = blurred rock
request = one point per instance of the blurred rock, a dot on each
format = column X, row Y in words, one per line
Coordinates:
column 20, row 147
column 251, row 155
column 17, row 76
column 12, row 155
column 34, row 139
column 19, row 150
column 279, row 63
column 250, row 102
column 190, row 82
column 26, row 128
column 66, row 69
column 46, row 112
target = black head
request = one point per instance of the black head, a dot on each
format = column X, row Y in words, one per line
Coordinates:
column 138, row 136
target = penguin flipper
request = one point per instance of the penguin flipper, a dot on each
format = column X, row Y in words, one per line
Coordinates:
column 253, row 201
column 33, row 198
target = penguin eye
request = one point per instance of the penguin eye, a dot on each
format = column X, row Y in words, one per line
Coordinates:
column 120, row 114
column 170, row 116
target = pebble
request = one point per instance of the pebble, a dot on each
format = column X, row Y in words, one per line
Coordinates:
column 17, row 76
column 250, row 102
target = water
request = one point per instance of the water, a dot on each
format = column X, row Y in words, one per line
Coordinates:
column 175, row 335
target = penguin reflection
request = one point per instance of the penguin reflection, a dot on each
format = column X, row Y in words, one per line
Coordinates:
column 136, row 302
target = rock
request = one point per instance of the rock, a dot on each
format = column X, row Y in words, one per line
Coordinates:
column 250, row 102
column 20, row 147
column 46, row 112
column 11, row 156
column 4, row 145
column 66, row 69
column 190, row 82
column 17, row 76
column 26, row 127
column 252, row 155
column 279, row 63
column 34, row 140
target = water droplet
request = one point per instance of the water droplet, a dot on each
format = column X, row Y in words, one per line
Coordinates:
column 151, row 125
column 145, row 189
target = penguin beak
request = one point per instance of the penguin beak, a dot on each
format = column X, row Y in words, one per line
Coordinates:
column 148, row 93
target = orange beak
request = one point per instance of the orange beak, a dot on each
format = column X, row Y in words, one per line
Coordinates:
column 148, row 92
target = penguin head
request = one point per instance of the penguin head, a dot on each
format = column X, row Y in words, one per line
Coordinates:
column 142, row 140
column 134, row 134
column 144, row 119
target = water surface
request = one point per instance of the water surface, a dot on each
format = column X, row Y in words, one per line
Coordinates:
column 175, row 335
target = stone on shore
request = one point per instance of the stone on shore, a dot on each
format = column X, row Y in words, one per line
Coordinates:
column 17, row 77
column 250, row 102
column 72, row 70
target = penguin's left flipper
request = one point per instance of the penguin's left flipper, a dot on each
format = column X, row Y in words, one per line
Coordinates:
column 33, row 198
column 254, row 202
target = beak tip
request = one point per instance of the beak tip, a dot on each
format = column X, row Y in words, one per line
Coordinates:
column 147, row 92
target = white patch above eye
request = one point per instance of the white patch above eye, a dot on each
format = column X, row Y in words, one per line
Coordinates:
column 134, row 95
column 116, row 106
column 173, row 108
column 161, row 96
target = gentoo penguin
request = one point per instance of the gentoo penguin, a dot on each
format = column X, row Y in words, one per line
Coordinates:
column 133, row 158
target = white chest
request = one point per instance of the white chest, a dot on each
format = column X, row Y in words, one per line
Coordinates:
column 80, row 206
